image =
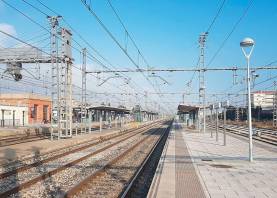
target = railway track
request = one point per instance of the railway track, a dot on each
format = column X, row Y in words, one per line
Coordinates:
column 19, row 139
column 53, row 154
column 24, row 138
column 262, row 135
column 49, row 175
column 119, row 175
column 141, row 181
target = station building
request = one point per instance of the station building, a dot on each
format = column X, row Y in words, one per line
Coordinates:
column 105, row 113
column 141, row 115
column 24, row 109
column 188, row 114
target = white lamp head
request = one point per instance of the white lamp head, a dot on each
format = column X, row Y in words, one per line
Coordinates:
column 247, row 42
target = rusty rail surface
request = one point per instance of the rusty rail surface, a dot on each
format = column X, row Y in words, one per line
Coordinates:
column 95, row 142
column 73, row 192
column 264, row 137
column 67, row 165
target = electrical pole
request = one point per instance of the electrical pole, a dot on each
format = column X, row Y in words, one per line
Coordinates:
column 55, row 94
column 202, row 97
column 275, row 105
column 66, row 84
column 224, row 124
column 84, row 93
column 61, row 80
column 237, row 114
column 216, row 124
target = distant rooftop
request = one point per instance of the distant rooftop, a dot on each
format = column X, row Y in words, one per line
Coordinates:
column 108, row 108
column 187, row 108
column 264, row 92
column 24, row 96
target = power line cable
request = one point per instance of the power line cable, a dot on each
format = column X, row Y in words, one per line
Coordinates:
column 127, row 32
column 83, row 38
column 29, row 18
column 216, row 15
column 89, row 45
column 115, row 40
column 231, row 32
column 208, row 31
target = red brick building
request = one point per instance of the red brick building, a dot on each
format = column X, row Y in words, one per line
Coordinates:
column 39, row 107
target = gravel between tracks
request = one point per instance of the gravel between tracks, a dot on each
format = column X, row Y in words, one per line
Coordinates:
column 60, row 182
column 111, row 182
column 30, row 159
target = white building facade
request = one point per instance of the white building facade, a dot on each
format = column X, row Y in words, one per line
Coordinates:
column 13, row 115
column 263, row 99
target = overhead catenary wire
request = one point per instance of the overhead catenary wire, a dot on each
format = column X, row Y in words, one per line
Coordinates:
column 216, row 15
column 208, row 31
column 19, row 40
column 37, row 83
column 87, row 43
column 32, row 20
column 231, row 32
column 115, row 40
column 127, row 32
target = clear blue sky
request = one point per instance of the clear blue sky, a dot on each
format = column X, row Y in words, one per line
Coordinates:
column 167, row 32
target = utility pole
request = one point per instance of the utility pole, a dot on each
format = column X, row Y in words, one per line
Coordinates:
column 55, row 85
column 224, row 124
column 202, row 97
column 84, row 93
column 61, row 71
column 66, row 84
column 217, row 107
column 237, row 114
column 212, row 118
column 146, row 100
column 275, row 105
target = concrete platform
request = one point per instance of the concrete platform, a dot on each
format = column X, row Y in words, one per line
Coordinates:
column 195, row 165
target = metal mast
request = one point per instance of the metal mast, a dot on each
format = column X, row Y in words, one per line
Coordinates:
column 61, row 119
column 202, row 97
column 66, row 85
column 84, row 92
column 146, row 100
column 237, row 114
column 55, row 86
column 275, row 106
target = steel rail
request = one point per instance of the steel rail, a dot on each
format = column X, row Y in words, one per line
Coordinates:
column 143, row 165
column 77, row 144
column 44, row 176
column 78, row 187
column 83, row 145
column 240, row 132
column 21, row 139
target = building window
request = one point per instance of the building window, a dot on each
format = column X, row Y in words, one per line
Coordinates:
column 34, row 111
column 45, row 113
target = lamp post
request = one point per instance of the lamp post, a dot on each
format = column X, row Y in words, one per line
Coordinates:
column 248, row 43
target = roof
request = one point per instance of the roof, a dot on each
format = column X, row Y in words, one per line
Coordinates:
column 108, row 108
column 150, row 112
column 187, row 108
column 24, row 96
column 264, row 92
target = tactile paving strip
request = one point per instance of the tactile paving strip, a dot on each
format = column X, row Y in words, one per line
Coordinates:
column 187, row 181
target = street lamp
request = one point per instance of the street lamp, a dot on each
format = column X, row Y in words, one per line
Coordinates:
column 248, row 43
